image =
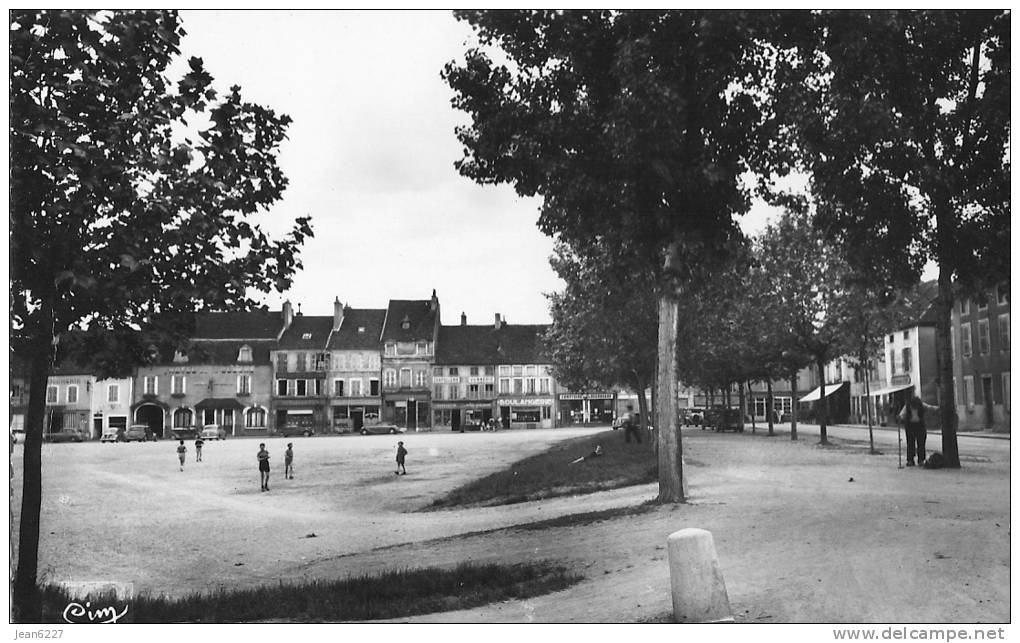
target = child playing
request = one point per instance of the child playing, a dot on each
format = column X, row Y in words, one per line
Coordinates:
column 182, row 451
column 596, row 453
column 401, row 452
column 263, row 457
column 198, row 449
column 288, row 461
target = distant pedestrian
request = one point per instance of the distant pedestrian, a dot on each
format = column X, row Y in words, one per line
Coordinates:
column 263, row 457
column 182, row 452
column 632, row 425
column 912, row 417
column 288, row 461
column 401, row 454
column 198, row 449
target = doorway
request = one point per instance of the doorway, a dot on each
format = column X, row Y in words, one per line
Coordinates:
column 412, row 414
column 986, row 396
column 455, row 419
column 504, row 416
column 357, row 419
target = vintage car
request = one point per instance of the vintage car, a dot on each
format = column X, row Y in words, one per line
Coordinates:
column 213, row 432
column 382, row 429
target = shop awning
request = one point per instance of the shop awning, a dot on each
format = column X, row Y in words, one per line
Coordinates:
column 228, row 403
column 891, row 389
column 817, row 393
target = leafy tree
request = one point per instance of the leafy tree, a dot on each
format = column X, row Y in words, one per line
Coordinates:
column 635, row 127
column 604, row 325
column 904, row 125
column 133, row 202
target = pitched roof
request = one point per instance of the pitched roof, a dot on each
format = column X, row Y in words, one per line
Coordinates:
column 920, row 308
column 308, row 332
column 348, row 337
column 255, row 324
column 226, row 352
column 521, row 344
column 419, row 315
column 466, row 345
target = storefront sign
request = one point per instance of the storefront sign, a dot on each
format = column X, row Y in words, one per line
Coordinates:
column 586, row 396
column 526, row 402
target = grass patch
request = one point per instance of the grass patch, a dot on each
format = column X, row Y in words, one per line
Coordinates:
column 550, row 473
column 390, row 595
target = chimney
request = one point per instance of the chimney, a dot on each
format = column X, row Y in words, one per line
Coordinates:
column 499, row 324
column 288, row 314
column 338, row 314
column 299, row 309
column 434, row 303
column 463, row 319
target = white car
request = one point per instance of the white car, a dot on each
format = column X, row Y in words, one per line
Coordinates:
column 213, row 432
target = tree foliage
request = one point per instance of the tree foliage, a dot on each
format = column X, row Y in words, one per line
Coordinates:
column 134, row 201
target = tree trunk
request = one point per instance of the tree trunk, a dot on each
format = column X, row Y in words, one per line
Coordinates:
column 750, row 406
column 867, row 400
column 741, row 402
column 643, row 408
column 770, row 407
column 823, row 406
column 944, row 366
column 793, row 411
column 654, row 387
column 670, row 458
column 26, row 607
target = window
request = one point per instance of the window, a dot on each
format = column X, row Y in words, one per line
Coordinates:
column 984, row 337
column 982, row 303
column 150, row 385
column 907, row 363
column 302, row 388
column 255, row 418
column 518, row 371
column 488, row 389
column 421, row 378
column 422, row 348
column 504, row 385
column 182, row 418
column 356, row 388
column 51, row 394
column 454, row 371
column 373, row 387
column 177, row 384
column 892, row 362
column 968, row 391
column 1005, row 392
column 487, row 370
column 473, row 391
column 244, row 384
column 437, row 392
column 965, row 339
column 391, row 349
column 306, row 335
column 281, row 362
column 530, row 389
column 530, row 370
column 322, row 362
column 338, row 388
column 72, row 394
column 1002, row 294
column 1004, row 332
column 504, row 370
column 906, row 334
column 544, row 385
column 301, row 362
column 474, row 370
column 389, row 378
column 546, row 412
column 113, row 393
column 891, row 339
column 405, row 377
column 437, row 371
column 318, row 386
column 518, row 386
column 281, row 387
column 965, row 306
column 244, row 355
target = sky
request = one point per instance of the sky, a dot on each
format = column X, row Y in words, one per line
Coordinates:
column 370, row 157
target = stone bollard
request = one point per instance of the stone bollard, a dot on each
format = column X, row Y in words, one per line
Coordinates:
column 699, row 593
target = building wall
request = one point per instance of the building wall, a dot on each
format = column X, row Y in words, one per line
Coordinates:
column 107, row 414
column 355, row 406
column 454, row 405
column 66, row 413
column 399, row 393
column 305, row 400
column 981, row 406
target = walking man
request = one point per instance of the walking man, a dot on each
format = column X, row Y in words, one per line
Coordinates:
column 401, row 453
column 263, row 458
column 288, row 461
column 632, row 425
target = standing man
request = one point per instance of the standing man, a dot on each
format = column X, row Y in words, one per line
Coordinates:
column 401, row 454
column 912, row 417
column 288, row 461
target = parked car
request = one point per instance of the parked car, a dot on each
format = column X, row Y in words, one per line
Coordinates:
column 723, row 419
column 112, row 434
column 382, row 429
column 694, row 417
column 185, row 433
column 138, row 433
column 213, row 432
column 70, row 435
column 471, row 425
column 289, row 430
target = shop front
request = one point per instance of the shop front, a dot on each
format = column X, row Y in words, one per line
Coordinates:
column 351, row 415
column 586, row 408
column 298, row 415
column 461, row 416
column 525, row 413
column 410, row 412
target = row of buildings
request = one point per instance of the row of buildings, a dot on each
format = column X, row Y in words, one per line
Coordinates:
column 256, row 372
column 980, row 340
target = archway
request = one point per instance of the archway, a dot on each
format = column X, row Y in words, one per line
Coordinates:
column 153, row 416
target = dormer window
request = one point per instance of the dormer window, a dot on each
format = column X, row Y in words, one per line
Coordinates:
column 180, row 357
column 244, row 355
column 405, row 323
column 306, row 336
column 361, row 329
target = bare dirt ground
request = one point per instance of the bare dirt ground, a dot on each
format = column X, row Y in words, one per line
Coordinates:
column 797, row 540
